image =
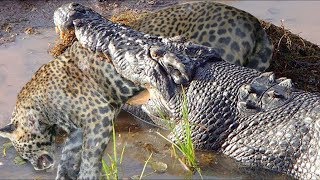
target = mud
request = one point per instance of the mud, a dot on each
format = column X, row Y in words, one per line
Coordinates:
column 17, row 15
column 27, row 33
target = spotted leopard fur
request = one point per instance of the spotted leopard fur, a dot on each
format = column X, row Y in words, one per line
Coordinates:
column 236, row 35
column 79, row 92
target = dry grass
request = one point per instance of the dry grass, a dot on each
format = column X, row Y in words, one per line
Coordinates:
column 128, row 18
column 294, row 57
column 62, row 43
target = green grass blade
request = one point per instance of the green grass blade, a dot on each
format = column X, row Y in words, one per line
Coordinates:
column 144, row 167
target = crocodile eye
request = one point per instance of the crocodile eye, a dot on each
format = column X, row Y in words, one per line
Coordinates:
column 153, row 54
column 156, row 52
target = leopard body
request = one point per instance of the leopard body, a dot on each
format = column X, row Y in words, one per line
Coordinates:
column 79, row 92
column 237, row 36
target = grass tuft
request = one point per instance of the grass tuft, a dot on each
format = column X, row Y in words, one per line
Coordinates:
column 111, row 171
column 144, row 167
column 184, row 145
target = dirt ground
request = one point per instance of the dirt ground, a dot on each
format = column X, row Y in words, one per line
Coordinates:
column 26, row 16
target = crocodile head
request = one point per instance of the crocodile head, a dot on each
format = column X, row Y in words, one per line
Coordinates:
column 65, row 15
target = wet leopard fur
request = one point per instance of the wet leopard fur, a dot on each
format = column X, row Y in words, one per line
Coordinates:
column 79, row 92
column 237, row 35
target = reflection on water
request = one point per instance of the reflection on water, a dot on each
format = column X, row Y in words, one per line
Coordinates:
column 301, row 17
column 19, row 60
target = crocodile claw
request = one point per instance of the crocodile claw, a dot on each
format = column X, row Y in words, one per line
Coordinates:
column 266, row 92
column 286, row 83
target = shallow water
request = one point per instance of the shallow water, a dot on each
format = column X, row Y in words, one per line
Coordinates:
column 300, row 17
column 20, row 59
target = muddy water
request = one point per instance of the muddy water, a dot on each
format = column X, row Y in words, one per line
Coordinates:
column 20, row 59
column 301, row 17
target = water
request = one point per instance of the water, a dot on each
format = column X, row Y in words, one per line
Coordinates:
column 298, row 16
column 20, row 59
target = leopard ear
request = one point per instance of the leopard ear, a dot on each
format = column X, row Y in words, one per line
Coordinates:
column 7, row 131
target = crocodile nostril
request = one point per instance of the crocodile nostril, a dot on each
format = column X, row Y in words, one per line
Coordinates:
column 73, row 5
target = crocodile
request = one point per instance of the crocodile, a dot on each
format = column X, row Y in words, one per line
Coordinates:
column 258, row 119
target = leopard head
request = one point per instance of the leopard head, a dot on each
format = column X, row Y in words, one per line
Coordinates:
column 31, row 137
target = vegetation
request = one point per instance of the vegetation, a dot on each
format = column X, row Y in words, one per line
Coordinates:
column 294, row 57
column 184, row 145
column 111, row 171
column 144, row 167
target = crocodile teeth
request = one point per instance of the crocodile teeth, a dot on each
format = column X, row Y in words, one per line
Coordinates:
column 286, row 83
column 274, row 94
column 243, row 92
column 272, row 78
column 267, row 74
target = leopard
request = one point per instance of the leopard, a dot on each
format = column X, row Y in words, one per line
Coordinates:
column 237, row 35
column 79, row 92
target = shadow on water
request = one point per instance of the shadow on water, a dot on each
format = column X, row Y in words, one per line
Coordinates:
column 20, row 59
